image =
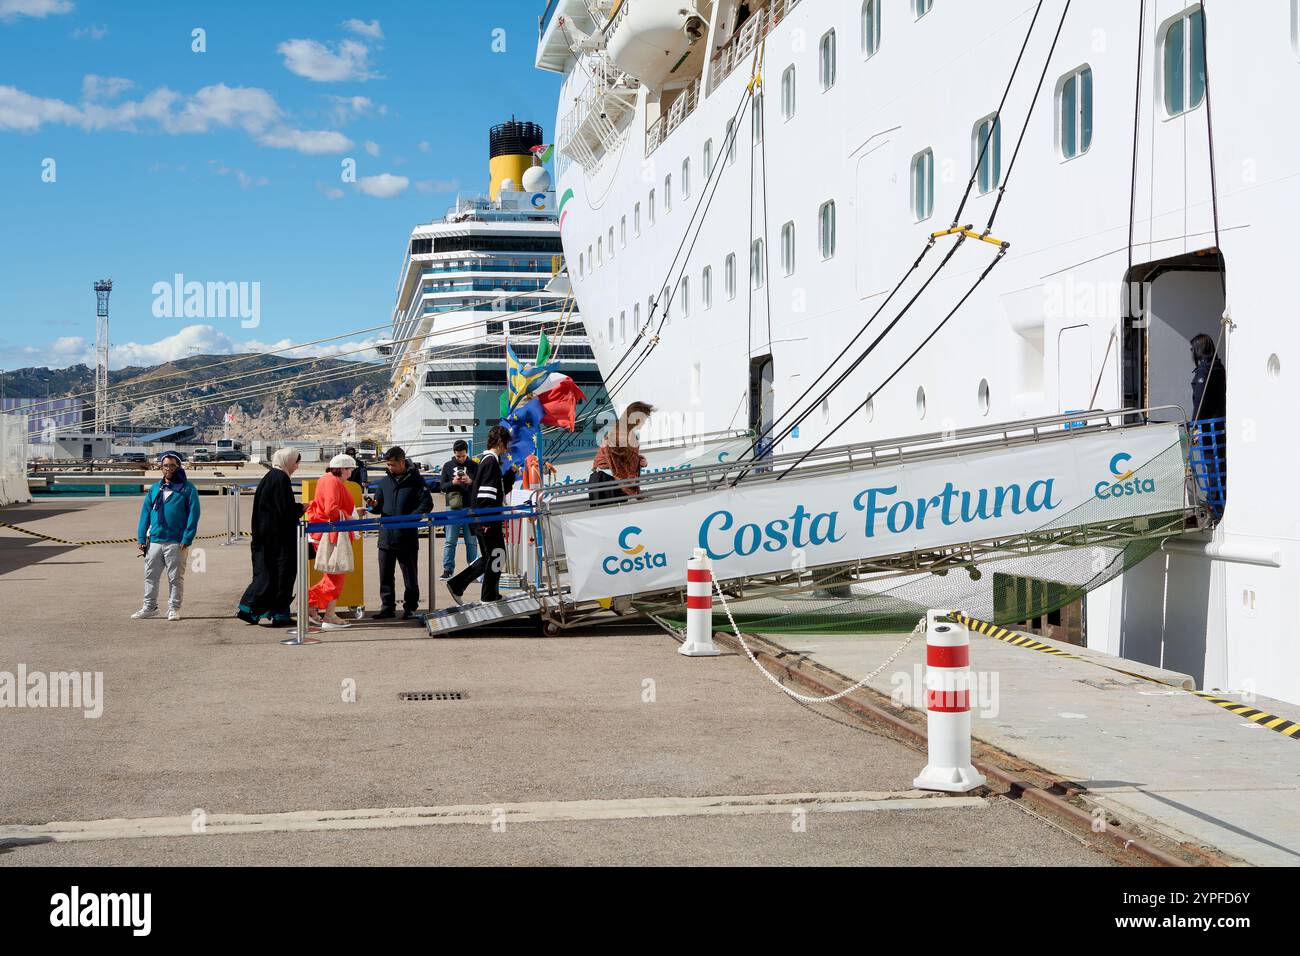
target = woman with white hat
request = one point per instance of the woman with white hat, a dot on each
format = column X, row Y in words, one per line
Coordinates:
column 332, row 502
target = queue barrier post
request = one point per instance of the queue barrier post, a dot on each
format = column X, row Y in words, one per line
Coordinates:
column 699, row 607
column 301, row 633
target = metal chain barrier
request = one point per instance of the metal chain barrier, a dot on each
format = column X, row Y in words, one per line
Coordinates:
column 803, row 698
column 81, row 544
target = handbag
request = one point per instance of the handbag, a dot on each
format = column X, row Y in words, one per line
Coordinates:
column 334, row 557
column 603, row 488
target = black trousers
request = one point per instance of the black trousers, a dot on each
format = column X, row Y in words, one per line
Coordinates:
column 491, row 559
column 409, row 559
column 275, row 571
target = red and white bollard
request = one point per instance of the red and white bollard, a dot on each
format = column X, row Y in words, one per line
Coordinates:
column 947, row 705
column 699, row 607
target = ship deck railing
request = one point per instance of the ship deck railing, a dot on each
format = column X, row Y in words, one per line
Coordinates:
column 742, row 44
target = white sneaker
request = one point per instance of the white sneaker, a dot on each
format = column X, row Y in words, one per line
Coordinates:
column 174, row 614
column 143, row 613
column 331, row 626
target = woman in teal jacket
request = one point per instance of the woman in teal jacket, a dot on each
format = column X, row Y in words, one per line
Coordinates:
column 169, row 519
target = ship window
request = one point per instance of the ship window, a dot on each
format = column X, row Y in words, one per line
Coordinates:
column 826, row 60
column 650, row 307
column 986, row 151
column 636, row 317
column 787, row 248
column 622, row 230
column 729, row 276
column 923, row 184
column 920, row 401
column 685, row 295
column 636, row 219
column 668, row 193
column 756, row 118
column 983, row 396
column 1184, row 62
column 921, row 7
column 650, row 205
column 870, row 27
column 756, row 271
column 787, row 92
column 622, row 327
column 706, row 286
column 667, row 300
column 686, row 177
column 730, row 141
column 826, row 229
column 708, row 160
column 1074, row 113
column 611, row 242
column 611, row 330
column 600, row 252
column 580, row 264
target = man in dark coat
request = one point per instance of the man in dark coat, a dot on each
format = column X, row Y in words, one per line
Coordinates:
column 1208, row 411
column 490, row 489
column 276, row 513
column 400, row 492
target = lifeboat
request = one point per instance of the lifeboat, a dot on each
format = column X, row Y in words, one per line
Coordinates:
column 655, row 40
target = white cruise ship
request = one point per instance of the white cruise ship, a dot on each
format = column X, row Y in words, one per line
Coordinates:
column 768, row 172
column 471, row 282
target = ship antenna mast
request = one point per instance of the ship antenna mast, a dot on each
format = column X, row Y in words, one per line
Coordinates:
column 102, row 288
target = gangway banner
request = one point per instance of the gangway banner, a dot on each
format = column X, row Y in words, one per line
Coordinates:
column 771, row 526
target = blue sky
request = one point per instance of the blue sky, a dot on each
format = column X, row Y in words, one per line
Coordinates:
column 227, row 165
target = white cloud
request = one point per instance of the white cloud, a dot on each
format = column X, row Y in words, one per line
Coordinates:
column 370, row 29
column 346, row 108
column 383, row 186
column 103, row 87
column 425, row 147
column 92, row 31
column 190, row 340
column 372, row 147
column 245, row 180
column 437, row 185
column 12, row 9
column 316, row 61
column 330, row 192
column 247, row 108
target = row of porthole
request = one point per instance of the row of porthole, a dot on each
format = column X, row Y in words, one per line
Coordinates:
column 1273, row 368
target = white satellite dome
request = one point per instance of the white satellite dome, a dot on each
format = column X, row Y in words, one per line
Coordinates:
column 537, row 179
column 509, row 186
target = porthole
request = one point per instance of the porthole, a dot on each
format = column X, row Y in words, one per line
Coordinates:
column 826, row 411
column 869, row 410
column 920, row 402
column 984, row 396
column 1274, row 366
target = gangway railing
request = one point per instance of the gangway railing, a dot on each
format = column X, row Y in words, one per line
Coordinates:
column 1089, row 479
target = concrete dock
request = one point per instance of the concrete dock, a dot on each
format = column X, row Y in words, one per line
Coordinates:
column 599, row 746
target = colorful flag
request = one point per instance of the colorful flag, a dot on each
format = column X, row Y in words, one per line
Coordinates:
column 524, row 423
column 543, row 349
column 559, row 396
column 522, row 379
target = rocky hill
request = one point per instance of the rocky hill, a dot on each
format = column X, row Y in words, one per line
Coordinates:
column 274, row 396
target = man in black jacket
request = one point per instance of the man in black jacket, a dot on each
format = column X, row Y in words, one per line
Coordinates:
column 457, row 479
column 490, row 489
column 400, row 492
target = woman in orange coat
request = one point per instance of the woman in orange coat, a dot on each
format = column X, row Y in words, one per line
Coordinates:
column 332, row 502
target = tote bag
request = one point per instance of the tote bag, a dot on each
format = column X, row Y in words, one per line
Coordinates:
column 334, row 557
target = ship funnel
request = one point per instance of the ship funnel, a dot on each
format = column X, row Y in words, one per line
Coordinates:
column 510, row 150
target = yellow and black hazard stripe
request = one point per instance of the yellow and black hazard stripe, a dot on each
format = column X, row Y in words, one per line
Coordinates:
column 1288, row 728
column 1281, row 725
column 81, row 544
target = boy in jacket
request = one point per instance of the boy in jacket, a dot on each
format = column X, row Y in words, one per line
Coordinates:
column 169, row 519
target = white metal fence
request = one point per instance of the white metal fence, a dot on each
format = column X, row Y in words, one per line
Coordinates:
column 13, row 459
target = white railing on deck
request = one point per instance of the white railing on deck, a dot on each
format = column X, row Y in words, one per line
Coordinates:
column 741, row 46
column 681, row 108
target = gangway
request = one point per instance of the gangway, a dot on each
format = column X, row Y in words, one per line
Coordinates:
column 906, row 510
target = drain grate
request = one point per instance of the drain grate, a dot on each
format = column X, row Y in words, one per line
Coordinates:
column 433, row 695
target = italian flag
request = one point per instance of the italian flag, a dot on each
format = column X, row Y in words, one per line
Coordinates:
column 559, row 396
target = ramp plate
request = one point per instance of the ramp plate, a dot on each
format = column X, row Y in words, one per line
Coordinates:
column 475, row 614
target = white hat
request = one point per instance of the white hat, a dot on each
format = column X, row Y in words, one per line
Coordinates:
column 343, row 461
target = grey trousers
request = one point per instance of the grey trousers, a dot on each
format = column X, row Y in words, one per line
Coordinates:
column 160, row 555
